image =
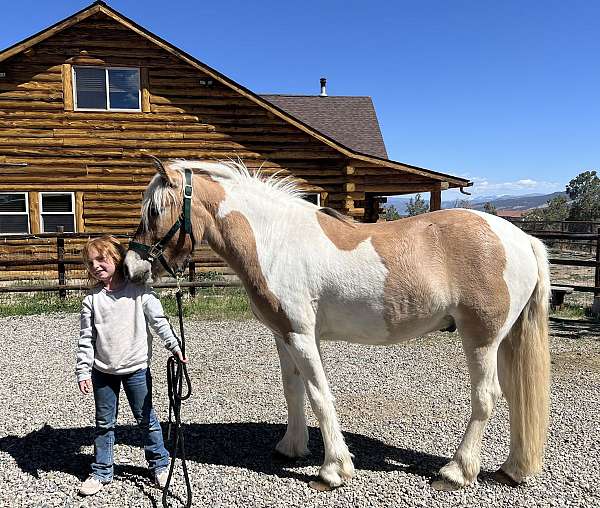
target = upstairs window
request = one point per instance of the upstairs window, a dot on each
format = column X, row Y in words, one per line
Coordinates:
column 106, row 89
column 14, row 213
column 57, row 209
column 313, row 197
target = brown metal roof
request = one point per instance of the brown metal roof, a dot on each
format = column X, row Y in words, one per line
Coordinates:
column 351, row 121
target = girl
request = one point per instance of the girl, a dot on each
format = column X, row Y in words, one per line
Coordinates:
column 115, row 347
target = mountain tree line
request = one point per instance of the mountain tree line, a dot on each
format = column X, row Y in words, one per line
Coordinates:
column 584, row 193
column 584, row 205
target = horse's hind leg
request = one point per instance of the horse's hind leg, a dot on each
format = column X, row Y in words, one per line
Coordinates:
column 464, row 467
column 295, row 441
column 338, row 465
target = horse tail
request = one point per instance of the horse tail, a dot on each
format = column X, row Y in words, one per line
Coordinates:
column 524, row 375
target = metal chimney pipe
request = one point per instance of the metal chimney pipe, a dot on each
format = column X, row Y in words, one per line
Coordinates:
column 323, row 89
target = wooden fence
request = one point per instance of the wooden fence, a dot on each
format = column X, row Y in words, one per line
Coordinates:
column 546, row 231
column 60, row 262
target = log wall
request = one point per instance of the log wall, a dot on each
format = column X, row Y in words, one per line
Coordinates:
column 100, row 155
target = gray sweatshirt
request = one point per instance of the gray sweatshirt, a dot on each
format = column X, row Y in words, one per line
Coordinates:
column 115, row 333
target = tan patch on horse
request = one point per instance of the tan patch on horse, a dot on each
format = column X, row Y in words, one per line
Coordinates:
column 446, row 261
column 242, row 256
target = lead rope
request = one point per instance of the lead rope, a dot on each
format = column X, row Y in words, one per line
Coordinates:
column 176, row 371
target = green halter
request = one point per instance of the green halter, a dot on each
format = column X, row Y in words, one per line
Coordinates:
column 183, row 223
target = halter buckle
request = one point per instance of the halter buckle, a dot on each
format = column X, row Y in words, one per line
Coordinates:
column 188, row 191
column 154, row 252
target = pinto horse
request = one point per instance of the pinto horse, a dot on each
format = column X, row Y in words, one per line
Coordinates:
column 313, row 274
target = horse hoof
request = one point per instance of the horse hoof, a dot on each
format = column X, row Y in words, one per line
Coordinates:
column 445, row 485
column 504, row 478
column 320, row 486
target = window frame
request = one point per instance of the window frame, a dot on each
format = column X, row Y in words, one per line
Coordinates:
column 106, row 88
column 41, row 194
column 318, row 194
column 26, row 212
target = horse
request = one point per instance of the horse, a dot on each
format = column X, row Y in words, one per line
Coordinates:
column 313, row 274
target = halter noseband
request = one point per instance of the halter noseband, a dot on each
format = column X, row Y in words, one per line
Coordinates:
column 184, row 222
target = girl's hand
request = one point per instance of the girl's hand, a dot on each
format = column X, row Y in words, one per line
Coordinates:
column 85, row 386
column 180, row 357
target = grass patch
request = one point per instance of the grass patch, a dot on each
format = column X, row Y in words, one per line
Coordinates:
column 210, row 303
column 569, row 311
column 217, row 303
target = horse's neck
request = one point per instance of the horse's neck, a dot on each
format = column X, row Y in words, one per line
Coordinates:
column 245, row 226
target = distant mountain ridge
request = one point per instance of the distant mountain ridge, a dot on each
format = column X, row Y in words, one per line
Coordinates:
column 504, row 202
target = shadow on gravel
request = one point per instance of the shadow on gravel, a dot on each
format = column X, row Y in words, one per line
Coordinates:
column 246, row 445
column 574, row 328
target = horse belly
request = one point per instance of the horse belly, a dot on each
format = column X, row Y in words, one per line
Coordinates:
column 353, row 322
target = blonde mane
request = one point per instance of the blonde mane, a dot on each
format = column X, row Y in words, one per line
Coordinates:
column 160, row 197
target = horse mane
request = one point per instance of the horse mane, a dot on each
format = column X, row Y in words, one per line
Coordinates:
column 337, row 215
column 159, row 195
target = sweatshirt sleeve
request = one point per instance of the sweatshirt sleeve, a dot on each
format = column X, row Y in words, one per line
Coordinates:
column 85, row 348
column 155, row 316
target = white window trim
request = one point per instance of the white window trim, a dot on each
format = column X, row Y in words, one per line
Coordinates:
column 318, row 194
column 26, row 212
column 106, row 69
column 72, row 212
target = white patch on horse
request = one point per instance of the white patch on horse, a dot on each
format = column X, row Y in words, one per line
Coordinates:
column 357, row 277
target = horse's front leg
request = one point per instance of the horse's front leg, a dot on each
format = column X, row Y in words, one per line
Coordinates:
column 295, row 441
column 338, row 465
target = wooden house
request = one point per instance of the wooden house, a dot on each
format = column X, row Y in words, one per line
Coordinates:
column 83, row 101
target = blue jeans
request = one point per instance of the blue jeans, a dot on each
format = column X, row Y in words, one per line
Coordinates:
column 138, row 388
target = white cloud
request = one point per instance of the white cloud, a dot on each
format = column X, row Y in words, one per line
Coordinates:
column 484, row 187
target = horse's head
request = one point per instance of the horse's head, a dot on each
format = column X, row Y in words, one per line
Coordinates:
column 166, row 233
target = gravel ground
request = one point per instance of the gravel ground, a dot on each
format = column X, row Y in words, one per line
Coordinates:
column 403, row 410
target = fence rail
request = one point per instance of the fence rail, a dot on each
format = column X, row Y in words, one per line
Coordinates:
column 61, row 261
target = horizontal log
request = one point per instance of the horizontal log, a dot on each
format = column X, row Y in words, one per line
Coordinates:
column 38, row 105
column 202, row 101
column 95, row 126
column 111, row 196
column 51, row 86
column 112, row 213
column 31, row 95
column 108, row 116
column 51, row 186
column 16, row 152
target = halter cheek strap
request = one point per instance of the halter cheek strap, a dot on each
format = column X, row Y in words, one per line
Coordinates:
column 183, row 223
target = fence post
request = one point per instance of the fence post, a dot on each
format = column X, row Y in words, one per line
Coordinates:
column 60, row 254
column 596, row 304
column 192, row 277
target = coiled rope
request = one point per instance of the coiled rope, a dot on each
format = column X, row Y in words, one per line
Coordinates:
column 176, row 372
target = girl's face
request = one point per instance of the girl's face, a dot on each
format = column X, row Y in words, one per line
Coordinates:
column 101, row 268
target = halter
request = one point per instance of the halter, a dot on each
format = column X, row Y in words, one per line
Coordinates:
column 183, row 223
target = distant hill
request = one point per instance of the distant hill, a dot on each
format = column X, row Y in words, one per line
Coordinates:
column 505, row 202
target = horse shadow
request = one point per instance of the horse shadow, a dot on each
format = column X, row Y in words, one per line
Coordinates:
column 246, row 445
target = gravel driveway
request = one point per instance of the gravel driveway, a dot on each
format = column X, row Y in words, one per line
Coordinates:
column 403, row 410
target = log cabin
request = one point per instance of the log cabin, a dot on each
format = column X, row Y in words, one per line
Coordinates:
column 84, row 101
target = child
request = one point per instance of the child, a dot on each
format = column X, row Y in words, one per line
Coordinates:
column 115, row 347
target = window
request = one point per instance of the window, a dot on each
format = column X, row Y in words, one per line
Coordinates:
column 106, row 88
column 314, row 198
column 14, row 213
column 57, row 209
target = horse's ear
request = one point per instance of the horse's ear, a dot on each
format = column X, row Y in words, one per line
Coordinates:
column 161, row 169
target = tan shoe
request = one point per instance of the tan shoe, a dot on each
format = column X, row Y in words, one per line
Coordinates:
column 90, row 487
column 161, row 479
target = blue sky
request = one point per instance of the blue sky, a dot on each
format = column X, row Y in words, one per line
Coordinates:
column 506, row 93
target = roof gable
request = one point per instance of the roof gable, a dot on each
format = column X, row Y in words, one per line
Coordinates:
column 350, row 120
column 352, row 150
